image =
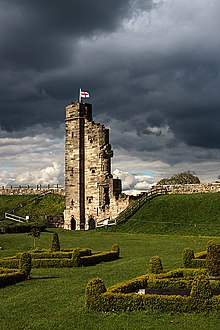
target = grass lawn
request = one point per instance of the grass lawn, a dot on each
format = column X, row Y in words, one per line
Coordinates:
column 54, row 298
column 35, row 206
column 197, row 214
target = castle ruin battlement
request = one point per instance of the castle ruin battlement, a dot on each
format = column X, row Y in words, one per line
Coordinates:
column 91, row 192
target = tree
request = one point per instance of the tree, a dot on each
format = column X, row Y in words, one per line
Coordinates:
column 187, row 177
column 35, row 233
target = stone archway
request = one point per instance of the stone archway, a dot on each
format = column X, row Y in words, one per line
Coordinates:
column 91, row 224
column 73, row 224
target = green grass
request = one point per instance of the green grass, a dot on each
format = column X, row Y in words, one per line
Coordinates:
column 197, row 214
column 37, row 208
column 54, row 298
column 9, row 202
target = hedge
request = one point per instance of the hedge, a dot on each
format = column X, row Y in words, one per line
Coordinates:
column 75, row 258
column 189, row 260
column 98, row 258
column 21, row 227
column 10, row 262
column 213, row 259
column 11, row 278
column 122, row 297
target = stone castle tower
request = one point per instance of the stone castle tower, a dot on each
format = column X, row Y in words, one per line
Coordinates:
column 91, row 192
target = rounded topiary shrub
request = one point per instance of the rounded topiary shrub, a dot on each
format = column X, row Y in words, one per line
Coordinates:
column 201, row 293
column 76, row 260
column 188, row 258
column 155, row 265
column 55, row 243
column 208, row 244
column 25, row 263
column 213, row 260
column 94, row 290
column 116, row 248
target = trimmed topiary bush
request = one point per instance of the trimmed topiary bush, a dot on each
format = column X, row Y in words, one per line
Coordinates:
column 76, row 260
column 155, row 265
column 201, row 294
column 93, row 295
column 208, row 244
column 213, row 260
column 129, row 296
column 116, row 248
column 55, row 243
column 188, row 258
column 25, row 263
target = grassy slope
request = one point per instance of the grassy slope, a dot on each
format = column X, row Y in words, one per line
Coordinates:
column 197, row 214
column 9, row 202
column 52, row 204
column 54, row 298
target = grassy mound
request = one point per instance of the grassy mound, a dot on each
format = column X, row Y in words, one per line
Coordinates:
column 34, row 206
column 197, row 214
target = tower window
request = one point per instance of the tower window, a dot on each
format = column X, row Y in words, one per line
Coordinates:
column 89, row 199
column 93, row 170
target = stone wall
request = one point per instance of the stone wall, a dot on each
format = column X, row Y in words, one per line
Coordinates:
column 31, row 191
column 191, row 188
column 55, row 221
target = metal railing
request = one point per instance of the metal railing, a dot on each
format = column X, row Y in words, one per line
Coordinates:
column 14, row 217
column 134, row 207
column 105, row 223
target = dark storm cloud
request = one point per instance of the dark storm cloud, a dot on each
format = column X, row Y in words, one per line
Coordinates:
column 38, row 41
column 38, row 34
column 152, row 66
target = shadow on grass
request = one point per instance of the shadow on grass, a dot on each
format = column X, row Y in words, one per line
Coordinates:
column 44, row 277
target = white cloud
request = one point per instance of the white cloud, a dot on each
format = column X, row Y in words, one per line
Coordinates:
column 31, row 160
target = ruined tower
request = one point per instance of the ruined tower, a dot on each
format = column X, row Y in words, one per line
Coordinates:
column 91, row 192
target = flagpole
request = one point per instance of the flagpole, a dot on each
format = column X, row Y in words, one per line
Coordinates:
column 80, row 95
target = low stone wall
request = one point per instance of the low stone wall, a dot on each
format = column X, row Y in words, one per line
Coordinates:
column 190, row 188
column 55, row 221
column 31, row 191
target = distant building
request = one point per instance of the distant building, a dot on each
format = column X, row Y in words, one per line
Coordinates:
column 91, row 192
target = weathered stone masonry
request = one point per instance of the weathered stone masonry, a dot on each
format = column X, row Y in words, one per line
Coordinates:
column 91, row 192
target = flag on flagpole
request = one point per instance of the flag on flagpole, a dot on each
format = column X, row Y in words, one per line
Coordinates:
column 83, row 94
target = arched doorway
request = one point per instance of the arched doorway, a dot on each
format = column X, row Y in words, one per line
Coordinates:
column 73, row 224
column 91, row 223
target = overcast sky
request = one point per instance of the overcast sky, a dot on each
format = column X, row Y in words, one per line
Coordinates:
column 152, row 70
